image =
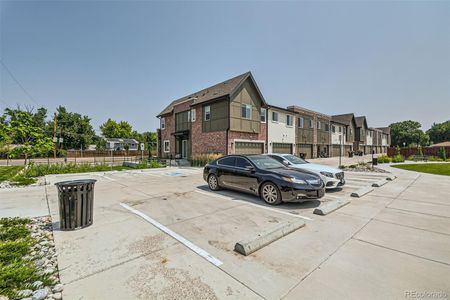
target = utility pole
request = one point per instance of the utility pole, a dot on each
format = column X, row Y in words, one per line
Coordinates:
column 54, row 136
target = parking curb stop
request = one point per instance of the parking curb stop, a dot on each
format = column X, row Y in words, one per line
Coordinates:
column 391, row 177
column 249, row 246
column 379, row 183
column 330, row 207
column 362, row 191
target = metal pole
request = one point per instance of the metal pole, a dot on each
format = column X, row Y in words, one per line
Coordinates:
column 54, row 136
column 340, row 150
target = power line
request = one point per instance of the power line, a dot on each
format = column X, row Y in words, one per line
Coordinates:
column 18, row 83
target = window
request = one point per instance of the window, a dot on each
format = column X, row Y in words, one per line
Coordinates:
column 193, row 115
column 311, row 124
column 263, row 115
column 318, row 125
column 274, row 116
column 242, row 163
column 227, row 161
column 163, row 123
column 289, row 120
column 340, row 129
column 327, row 127
column 166, row 146
column 300, row 122
column 333, row 129
column 246, row 111
column 207, row 112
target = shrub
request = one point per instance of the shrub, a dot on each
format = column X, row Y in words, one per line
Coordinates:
column 398, row 158
column 434, row 158
column 384, row 159
column 200, row 160
column 397, row 150
column 442, row 153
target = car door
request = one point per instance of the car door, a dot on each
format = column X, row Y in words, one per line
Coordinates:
column 225, row 170
column 245, row 177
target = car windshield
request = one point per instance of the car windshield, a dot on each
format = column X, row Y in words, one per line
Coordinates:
column 265, row 162
column 295, row 159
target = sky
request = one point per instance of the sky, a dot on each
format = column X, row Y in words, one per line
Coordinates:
column 126, row 60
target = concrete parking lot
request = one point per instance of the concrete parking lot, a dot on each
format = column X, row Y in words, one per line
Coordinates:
column 386, row 244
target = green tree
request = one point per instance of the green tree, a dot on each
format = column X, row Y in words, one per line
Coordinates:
column 113, row 129
column 22, row 130
column 75, row 129
column 408, row 132
column 439, row 132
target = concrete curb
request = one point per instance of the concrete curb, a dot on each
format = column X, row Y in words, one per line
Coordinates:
column 380, row 183
column 330, row 207
column 362, row 191
column 249, row 246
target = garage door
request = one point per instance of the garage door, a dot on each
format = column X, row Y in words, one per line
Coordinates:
column 336, row 150
column 249, row 148
column 282, row 148
column 304, row 150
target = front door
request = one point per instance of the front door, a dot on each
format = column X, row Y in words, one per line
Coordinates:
column 184, row 148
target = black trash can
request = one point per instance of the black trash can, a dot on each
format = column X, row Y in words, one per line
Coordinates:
column 374, row 161
column 76, row 203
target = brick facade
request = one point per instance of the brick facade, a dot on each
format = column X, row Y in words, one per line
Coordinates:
column 206, row 142
column 166, row 134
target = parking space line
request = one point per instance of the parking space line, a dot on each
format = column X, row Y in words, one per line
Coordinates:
column 253, row 204
column 176, row 236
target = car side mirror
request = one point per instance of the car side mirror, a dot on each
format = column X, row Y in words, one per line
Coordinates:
column 286, row 163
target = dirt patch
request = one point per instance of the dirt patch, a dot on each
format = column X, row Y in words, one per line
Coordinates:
column 147, row 244
column 156, row 280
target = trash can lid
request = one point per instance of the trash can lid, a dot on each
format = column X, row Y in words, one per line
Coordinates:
column 75, row 182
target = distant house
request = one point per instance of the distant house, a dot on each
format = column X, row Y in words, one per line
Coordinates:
column 117, row 144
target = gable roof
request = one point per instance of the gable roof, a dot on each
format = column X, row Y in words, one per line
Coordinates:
column 442, row 144
column 225, row 88
column 360, row 121
column 386, row 130
column 346, row 119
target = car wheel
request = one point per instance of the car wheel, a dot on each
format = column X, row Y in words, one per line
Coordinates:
column 213, row 182
column 270, row 193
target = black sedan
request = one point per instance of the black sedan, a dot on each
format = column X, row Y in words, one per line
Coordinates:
column 263, row 176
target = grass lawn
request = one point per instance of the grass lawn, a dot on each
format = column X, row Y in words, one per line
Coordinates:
column 438, row 169
column 7, row 173
column 17, row 272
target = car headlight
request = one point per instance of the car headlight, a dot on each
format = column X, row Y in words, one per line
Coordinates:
column 314, row 181
column 294, row 180
column 327, row 174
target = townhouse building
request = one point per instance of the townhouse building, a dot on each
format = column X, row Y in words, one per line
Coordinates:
column 226, row 118
column 232, row 117
column 343, row 129
column 361, row 135
column 385, row 138
column 313, row 137
column 281, row 130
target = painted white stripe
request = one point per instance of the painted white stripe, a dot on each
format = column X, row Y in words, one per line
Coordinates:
column 255, row 205
column 176, row 236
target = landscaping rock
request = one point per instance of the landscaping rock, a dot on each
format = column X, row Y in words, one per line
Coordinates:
column 58, row 288
column 36, row 285
column 57, row 296
column 24, row 293
column 40, row 294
